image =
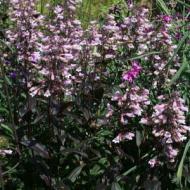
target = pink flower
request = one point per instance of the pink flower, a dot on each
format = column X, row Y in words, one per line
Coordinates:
column 117, row 96
column 47, row 94
column 129, row 136
column 167, row 18
column 132, row 73
column 123, row 136
column 144, row 121
column 153, row 162
column 171, row 153
column 35, row 57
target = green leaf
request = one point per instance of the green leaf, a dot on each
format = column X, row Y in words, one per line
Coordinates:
column 180, row 167
column 163, row 6
column 4, row 110
column 38, row 148
column 183, row 3
column 96, row 170
column 75, row 173
column 115, row 186
column 7, row 129
column 8, row 81
column 180, row 71
column 126, row 173
column 103, row 161
column 7, row 45
column 11, row 170
column 144, row 55
column 180, row 44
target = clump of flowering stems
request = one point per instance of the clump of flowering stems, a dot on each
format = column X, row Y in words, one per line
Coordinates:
column 59, row 57
column 142, row 37
column 130, row 105
column 57, row 51
column 168, row 122
column 131, row 102
column 25, row 33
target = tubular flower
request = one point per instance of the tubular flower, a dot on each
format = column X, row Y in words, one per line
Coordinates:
column 168, row 122
column 132, row 73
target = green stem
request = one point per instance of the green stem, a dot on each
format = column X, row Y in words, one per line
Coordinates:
column 1, row 177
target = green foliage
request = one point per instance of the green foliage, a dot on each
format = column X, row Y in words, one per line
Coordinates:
column 181, row 165
column 163, row 6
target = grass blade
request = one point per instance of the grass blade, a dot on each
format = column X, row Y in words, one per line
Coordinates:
column 163, row 6
column 181, row 43
column 180, row 167
column 75, row 173
column 144, row 55
column 183, row 3
column 115, row 186
column 180, row 71
column 126, row 173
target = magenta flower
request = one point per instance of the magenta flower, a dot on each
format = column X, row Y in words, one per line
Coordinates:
column 132, row 73
column 167, row 18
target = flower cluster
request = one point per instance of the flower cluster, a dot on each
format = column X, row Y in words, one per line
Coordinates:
column 132, row 102
column 25, row 34
column 110, row 43
column 60, row 51
column 59, row 54
column 168, row 122
column 141, row 36
column 138, row 32
column 131, row 105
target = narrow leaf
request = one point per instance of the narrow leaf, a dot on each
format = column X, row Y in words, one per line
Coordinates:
column 115, row 186
column 3, row 110
column 75, row 173
column 144, row 55
column 183, row 3
column 7, row 128
column 8, row 81
column 179, row 72
column 180, row 44
column 163, row 6
column 38, row 148
column 126, row 173
column 180, row 167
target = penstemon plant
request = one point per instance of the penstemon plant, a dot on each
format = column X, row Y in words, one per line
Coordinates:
column 96, row 106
